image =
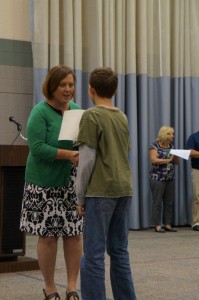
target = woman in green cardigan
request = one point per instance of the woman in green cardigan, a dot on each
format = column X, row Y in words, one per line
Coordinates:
column 49, row 202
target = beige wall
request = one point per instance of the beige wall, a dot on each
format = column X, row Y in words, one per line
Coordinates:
column 16, row 78
column 14, row 20
column 15, row 100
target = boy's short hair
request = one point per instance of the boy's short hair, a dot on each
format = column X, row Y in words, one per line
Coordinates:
column 53, row 78
column 104, row 80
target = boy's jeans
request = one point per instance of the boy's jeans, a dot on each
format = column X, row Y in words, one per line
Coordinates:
column 106, row 227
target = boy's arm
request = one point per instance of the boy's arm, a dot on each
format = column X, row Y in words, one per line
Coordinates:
column 87, row 156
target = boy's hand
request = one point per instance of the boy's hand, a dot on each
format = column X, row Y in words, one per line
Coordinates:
column 81, row 210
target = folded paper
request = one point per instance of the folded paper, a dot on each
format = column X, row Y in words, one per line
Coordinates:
column 181, row 153
column 70, row 124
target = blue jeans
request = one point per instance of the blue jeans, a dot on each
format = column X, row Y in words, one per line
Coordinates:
column 106, row 228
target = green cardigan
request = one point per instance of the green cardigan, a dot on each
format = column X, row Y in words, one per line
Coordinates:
column 43, row 129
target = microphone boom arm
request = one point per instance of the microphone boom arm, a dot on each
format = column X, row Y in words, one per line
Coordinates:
column 19, row 127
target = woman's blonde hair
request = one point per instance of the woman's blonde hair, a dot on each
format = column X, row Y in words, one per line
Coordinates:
column 163, row 133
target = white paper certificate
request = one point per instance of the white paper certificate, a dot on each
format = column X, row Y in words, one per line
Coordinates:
column 70, row 124
column 181, row 153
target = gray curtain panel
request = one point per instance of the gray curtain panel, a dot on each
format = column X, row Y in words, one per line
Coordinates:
column 153, row 46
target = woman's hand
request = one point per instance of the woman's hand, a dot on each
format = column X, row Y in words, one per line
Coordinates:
column 71, row 155
column 74, row 157
column 171, row 158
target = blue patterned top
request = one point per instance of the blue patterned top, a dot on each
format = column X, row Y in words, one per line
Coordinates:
column 163, row 172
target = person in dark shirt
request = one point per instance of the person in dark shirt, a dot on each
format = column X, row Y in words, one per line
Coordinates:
column 193, row 145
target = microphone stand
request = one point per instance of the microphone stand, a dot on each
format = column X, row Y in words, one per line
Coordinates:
column 16, row 138
column 19, row 128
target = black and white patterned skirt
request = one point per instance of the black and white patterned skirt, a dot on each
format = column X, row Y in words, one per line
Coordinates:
column 51, row 211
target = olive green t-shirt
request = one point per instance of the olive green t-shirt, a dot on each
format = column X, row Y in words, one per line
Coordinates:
column 106, row 130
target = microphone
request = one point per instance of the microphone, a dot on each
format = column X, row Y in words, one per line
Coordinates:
column 19, row 127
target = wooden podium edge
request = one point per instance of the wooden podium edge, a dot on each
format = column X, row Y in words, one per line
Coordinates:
column 21, row 264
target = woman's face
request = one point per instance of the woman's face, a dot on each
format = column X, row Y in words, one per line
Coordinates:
column 170, row 136
column 65, row 91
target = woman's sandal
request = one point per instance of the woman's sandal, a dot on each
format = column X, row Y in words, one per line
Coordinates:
column 72, row 295
column 50, row 296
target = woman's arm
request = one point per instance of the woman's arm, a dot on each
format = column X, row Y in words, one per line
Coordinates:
column 153, row 153
column 36, row 132
column 71, row 155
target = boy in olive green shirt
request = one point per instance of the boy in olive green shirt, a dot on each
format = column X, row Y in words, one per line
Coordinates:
column 104, row 190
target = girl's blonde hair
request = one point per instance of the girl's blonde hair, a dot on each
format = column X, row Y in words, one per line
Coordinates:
column 163, row 133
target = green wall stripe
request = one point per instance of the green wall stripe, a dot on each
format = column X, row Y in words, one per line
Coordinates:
column 15, row 53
